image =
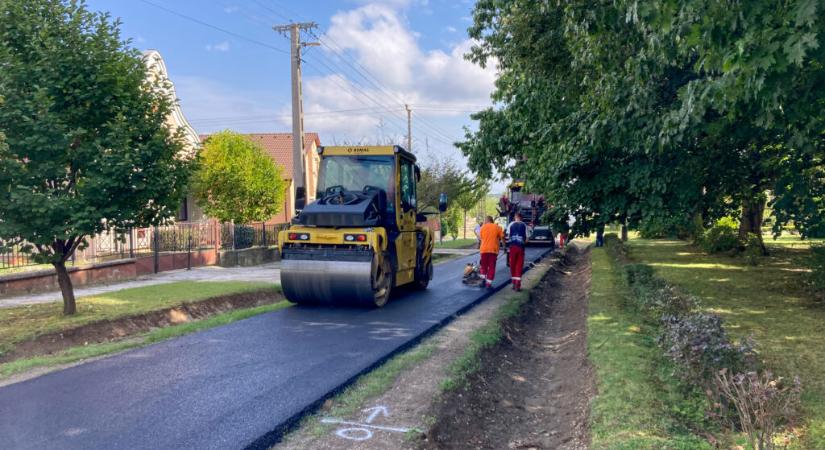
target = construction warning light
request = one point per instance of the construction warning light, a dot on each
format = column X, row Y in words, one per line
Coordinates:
column 355, row 237
column 298, row 236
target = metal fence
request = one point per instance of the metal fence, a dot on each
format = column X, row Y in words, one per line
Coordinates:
column 140, row 242
column 239, row 237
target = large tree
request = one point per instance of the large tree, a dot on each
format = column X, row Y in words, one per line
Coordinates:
column 236, row 181
column 672, row 112
column 88, row 146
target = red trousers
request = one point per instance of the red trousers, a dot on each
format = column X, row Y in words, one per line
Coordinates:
column 516, row 264
column 488, row 267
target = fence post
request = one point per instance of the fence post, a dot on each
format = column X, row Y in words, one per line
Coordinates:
column 189, row 252
column 131, row 242
column 156, row 247
column 232, row 234
column 263, row 227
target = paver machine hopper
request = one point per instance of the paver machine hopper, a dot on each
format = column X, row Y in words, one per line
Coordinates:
column 532, row 208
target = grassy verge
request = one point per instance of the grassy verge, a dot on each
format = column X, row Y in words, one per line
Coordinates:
column 767, row 302
column 637, row 405
column 456, row 243
column 27, row 322
column 94, row 350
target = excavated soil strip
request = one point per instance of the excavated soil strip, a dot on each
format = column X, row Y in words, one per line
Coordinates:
column 117, row 329
column 408, row 400
column 534, row 388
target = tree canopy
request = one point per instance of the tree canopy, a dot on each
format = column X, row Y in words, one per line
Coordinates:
column 236, row 181
column 444, row 176
column 88, row 146
column 662, row 114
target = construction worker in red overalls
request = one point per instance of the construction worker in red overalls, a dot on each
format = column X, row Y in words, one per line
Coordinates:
column 516, row 240
column 491, row 235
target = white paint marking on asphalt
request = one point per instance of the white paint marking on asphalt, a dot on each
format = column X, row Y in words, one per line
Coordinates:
column 375, row 411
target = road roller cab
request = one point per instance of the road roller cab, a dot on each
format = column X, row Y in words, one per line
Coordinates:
column 361, row 237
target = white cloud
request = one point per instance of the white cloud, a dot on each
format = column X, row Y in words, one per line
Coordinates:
column 212, row 106
column 222, row 46
column 439, row 84
column 230, row 9
column 451, row 29
column 378, row 37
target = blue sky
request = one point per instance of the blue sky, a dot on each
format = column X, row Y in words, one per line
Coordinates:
column 377, row 56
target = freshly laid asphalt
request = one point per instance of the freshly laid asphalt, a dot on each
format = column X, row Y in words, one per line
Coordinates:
column 235, row 386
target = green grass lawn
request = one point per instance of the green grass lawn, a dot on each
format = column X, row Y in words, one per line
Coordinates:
column 26, row 322
column 457, row 243
column 634, row 402
column 75, row 354
column 766, row 301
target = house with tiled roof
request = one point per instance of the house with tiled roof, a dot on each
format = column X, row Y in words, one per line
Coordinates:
column 279, row 147
column 176, row 120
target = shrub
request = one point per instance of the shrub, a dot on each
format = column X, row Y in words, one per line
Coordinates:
column 665, row 227
column 816, row 279
column 752, row 249
column 665, row 300
column 655, row 296
column 721, row 237
column 699, row 345
column 638, row 274
column 761, row 401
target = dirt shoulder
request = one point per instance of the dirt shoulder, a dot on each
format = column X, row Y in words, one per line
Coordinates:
column 393, row 406
column 534, row 388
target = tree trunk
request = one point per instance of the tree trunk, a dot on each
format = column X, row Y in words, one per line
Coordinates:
column 65, row 282
column 697, row 228
column 465, row 224
column 753, row 212
column 624, row 232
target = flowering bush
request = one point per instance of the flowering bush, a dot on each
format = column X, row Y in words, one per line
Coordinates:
column 698, row 343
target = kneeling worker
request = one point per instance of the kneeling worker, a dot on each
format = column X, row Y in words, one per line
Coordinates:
column 516, row 240
column 491, row 235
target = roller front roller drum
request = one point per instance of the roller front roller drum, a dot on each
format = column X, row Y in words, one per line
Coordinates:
column 330, row 277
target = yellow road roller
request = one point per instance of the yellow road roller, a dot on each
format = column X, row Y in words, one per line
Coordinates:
column 361, row 237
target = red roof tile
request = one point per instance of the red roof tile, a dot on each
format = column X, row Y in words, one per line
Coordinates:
column 279, row 147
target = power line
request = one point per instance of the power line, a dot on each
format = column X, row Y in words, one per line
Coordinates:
column 351, row 86
column 366, row 75
column 363, row 72
column 284, row 116
column 214, row 27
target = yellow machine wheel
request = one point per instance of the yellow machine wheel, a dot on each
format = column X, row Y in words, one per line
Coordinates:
column 382, row 281
column 422, row 279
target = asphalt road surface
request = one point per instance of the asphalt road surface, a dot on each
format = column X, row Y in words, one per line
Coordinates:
column 234, row 386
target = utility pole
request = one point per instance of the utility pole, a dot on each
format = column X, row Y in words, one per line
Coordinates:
column 409, row 127
column 298, row 171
